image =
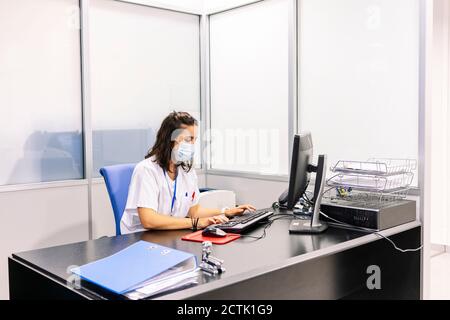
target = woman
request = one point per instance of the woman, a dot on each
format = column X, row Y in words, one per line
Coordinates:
column 163, row 191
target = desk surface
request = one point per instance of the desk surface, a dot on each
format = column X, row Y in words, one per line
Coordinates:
column 244, row 258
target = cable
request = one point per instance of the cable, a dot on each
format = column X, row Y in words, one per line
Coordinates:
column 268, row 224
column 307, row 200
column 374, row 232
column 397, row 248
column 258, row 237
column 350, row 226
column 264, row 232
column 280, row 214
column 331, row 188
column 311, row 202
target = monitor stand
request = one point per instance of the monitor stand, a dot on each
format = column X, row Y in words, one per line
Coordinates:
column 313, row 225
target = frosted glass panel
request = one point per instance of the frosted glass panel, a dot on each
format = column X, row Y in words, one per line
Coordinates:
column 40, row 95
column 359, row 68
column 144, row 64
column 249, row 88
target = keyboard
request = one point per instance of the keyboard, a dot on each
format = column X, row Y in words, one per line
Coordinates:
column 246, row 221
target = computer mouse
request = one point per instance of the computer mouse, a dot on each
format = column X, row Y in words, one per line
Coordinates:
column 213, row 231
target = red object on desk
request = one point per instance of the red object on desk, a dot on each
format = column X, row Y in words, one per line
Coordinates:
column 198, row 237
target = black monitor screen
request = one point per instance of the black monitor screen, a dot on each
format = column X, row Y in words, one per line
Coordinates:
column 301, row 159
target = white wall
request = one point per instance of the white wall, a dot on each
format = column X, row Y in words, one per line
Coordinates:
column 440, row 133
column 189, row 5
column 204, row 6
column 197, row 6
column 33, row 219
column 102, row 213
column 210, row 6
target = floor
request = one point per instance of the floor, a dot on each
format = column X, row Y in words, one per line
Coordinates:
column 440, row 277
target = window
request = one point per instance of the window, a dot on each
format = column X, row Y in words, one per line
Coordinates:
column 359, row 77
column 144, row 64
column 249, row 88
column 40, row 99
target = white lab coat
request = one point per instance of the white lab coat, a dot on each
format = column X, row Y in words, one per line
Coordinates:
column 151, row 188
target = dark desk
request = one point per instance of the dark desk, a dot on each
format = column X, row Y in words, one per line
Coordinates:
column 332, row 265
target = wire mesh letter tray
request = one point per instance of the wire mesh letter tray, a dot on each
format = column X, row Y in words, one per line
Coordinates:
column 377, row 178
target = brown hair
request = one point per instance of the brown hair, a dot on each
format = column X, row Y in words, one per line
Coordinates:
column 162, row 149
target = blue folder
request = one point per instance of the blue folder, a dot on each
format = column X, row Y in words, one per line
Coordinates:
column 126, row 269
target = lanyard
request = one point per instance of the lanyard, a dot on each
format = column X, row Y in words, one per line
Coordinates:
column 174, row 190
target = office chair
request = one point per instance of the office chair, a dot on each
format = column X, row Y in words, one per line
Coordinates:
column 117, row 180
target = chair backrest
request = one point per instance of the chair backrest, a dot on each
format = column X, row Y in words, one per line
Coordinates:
column 217, row 199
column 117, row 179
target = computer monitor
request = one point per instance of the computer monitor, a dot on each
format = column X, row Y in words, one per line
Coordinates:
column 301, row 169
column 302, row 152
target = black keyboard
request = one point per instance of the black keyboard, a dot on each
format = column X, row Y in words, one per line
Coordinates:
column 243, row 222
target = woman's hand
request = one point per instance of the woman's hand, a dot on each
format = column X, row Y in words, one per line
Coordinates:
column 239, row 210
column 204, row 222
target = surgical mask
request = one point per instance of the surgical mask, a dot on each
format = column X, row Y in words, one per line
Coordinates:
column 184, row 152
